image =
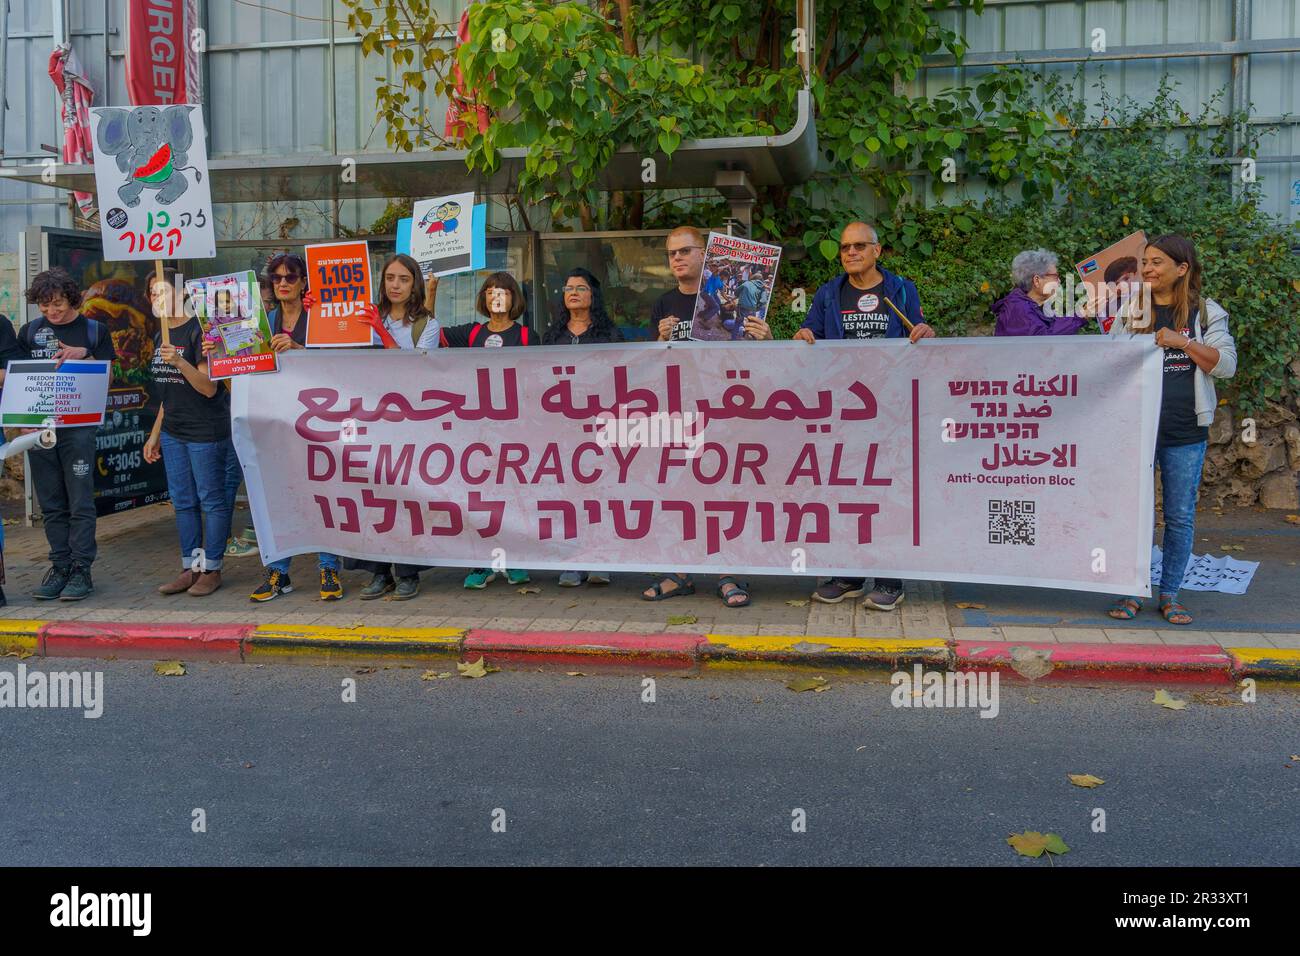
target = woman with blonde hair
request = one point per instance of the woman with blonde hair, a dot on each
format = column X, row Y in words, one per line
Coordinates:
column 1198, row 348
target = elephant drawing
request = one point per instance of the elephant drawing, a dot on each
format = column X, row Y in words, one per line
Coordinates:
column 150, row 146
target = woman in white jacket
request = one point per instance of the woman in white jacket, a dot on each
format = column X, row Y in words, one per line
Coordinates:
column 1198, row 348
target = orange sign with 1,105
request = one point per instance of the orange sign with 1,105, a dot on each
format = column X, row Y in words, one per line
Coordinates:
column 339, row 276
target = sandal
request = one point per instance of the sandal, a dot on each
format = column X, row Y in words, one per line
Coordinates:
column 684, row 587
column 1172, row 611
column 1125, row 609
column 736, row 589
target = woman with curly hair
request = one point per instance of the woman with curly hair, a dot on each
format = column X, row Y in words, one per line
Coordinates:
column 581, row 318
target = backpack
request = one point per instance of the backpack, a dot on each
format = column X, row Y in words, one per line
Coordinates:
column 94, row 333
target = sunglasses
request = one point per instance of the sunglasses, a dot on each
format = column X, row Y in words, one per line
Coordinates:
column 291, row 277
column 683, row 251
column 576, row 288
column 855, row 246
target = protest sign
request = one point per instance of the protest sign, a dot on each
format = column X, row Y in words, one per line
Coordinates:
column 987, row 460
column 234, row 318
column 443, row 234
column 339, row 275
column 737, row 282
column 41, row 391
column 151, row 173
column 478, row 246
column 1113, row 274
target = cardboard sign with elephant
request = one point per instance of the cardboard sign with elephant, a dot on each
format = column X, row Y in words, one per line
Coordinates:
column 151, row 173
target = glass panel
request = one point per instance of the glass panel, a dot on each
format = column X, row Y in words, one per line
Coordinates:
column 632, row 270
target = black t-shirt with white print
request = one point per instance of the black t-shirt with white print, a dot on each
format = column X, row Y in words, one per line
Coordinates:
column 863, row 312
column 1178, row 424
column 188, row 414
column 40, row 339
column 679, row 304
column 461, row 336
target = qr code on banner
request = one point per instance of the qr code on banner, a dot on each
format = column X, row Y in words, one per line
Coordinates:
column 1011, row 522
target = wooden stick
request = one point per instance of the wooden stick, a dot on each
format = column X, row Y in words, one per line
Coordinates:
column 908, row 325
column 165, row 320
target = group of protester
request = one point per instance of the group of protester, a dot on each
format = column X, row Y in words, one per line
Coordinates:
column 866, row 301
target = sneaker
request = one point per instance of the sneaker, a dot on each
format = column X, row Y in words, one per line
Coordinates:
column 836, row 590
column 206, row 583
column 276, row 583
column 379, row 585
column 240, row 548
column 884, row 598
column 56, row 579
column 407, row 588
column 79, row 586
column 571, row 579
column 331, row 588
column 184, row 582
column 249, row 534
column 598, row 577
column 517, row 577
column 479, row 578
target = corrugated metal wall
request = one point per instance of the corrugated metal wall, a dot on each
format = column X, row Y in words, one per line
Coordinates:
column 273, row 69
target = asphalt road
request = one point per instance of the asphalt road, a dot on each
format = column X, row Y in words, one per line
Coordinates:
column 587, row 773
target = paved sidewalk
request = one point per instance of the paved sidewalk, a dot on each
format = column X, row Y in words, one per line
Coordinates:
column 138, row 551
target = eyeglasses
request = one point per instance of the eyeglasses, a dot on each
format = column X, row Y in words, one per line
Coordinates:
column 682, row 252
column 576, row 288
column 1050, row 275
column 290, row 277
column 856, row 246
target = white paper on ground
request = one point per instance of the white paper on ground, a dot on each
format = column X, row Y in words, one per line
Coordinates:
column 1206, row 572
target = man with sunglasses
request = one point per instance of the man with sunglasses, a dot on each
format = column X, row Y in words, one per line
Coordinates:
column 865, row 302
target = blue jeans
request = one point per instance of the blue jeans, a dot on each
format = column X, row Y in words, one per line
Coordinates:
column 326, row 562
column 234, row 475
column 196, row 481
column 1180, row 473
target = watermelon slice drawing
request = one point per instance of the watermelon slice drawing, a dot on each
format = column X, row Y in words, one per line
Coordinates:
column 158, row 169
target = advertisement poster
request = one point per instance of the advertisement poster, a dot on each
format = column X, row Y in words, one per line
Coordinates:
column 443, row 234
column 1002, row 461
column 1113, row 274
column 737, row 282
column 42, row 393
column 151, row 175
column 233, row 316
column 338, row 274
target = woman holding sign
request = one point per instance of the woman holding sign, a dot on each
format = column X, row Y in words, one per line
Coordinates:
column 1198, row 348
column 288, row 274
column 402, row 320
column 192, row 436
column 501, row 302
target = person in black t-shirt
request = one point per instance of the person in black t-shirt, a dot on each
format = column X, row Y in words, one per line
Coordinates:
column 64, row 476
column 192, row 436
column 1198, row 347
column 672, row 317
column 501, row 302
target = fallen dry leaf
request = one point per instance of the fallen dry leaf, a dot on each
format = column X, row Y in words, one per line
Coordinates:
column 802, row 603
column 530, row 590
column 569, row 607
column 1085, row 780
column 575, row 674
column 1032, row 843
column 21, row 653
column 682, row 619
column 968, row 605
column 1293, row 519
column 435, row 675
column 807, row 683
column 476, row 669
column 1164, row 700
column 364, row 670
column 1213, row 699
column 169, row 669
column 1231, row 547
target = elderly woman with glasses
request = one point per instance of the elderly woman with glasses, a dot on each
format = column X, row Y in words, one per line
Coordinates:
column 1021, row 312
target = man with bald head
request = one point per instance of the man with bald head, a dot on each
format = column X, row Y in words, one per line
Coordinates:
column 864, row 302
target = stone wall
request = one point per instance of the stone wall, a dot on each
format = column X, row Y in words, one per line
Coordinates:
column 1265, row 471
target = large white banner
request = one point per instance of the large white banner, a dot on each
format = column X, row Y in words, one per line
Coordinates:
column 1006, row 461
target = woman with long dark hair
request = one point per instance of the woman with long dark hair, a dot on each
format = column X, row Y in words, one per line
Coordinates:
column 581, row 318
column 1198, row 348
column 403, row 319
